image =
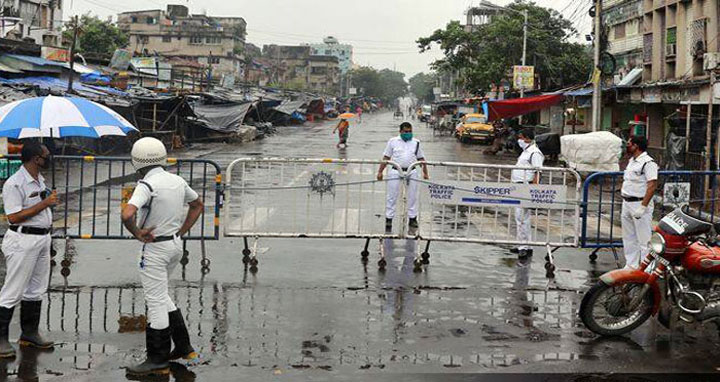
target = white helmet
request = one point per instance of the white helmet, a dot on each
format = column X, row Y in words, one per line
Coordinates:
column 148, row 151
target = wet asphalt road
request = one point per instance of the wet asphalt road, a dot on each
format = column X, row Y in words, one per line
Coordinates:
column 314, row 312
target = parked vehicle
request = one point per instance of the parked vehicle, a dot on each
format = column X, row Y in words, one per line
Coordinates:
column 474, row 127
column 678, row 280
column 425, row 113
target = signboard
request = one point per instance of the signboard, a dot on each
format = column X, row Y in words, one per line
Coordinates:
column 523, row 77
column 121, row 59
column 676, row 194
column 352, row 91
column 499, row 194
column 145, row 65
column 55, row 54
column 437, row 91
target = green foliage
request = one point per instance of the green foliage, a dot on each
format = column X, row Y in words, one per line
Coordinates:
column 421, row 85
column 96, row 36
column 385, row 84
column 487, row 54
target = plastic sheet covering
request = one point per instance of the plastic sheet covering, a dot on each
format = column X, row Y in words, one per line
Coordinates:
column 289, row 107
column 675, row 154
column 548, row 143
column 598, row 151
column 226, row 118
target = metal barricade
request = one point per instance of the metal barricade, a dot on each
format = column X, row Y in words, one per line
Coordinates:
column 602, row 203
column 92, row 189
column 477, row 203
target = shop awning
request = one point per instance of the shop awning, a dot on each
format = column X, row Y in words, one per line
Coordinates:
column 631, row 78
column 519, row 106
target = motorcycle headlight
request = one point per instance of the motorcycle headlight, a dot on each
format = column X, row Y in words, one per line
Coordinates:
column 657, row 243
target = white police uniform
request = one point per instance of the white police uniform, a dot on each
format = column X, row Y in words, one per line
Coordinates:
column 530, row 157
column 637, row 231
column 27, row 255
column 161, row 199
column 404, row 154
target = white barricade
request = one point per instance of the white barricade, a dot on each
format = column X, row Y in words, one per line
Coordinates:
column 476, row 203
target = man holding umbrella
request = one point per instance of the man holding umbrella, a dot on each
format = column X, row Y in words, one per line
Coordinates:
column 26, row 247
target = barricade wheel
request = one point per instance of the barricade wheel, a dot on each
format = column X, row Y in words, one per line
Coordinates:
column 549, row 267
column 205, row 270
column 382, row 263
column 65, row 272
column 593, row 257
column 65, row 263
column 253, row 269
column 365, row 253
column 184, row 260
column 186, row 253
column 205, row 263
column 246, row 252
column 417, row 268
column 246, row 259
column 425, row 258
column 254, row 262
column 53, row 252
column 550, row 275
column 53, row 263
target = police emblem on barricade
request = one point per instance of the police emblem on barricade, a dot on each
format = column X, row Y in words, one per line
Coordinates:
column 322, row 182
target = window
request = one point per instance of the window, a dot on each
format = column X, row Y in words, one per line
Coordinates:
column 620, row 31
column 166, row 39
column 327, row 52
column 196, row 40
column 133, row 19
column 213, row 40
column 214, row 59
column 150, row 20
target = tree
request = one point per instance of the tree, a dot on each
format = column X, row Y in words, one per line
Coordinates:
column 421, row 85
column 385, row 84
column 96, row 36
column 486, row 55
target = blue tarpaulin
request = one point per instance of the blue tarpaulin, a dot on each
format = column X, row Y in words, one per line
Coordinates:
column 59, row 85
column 95, row 78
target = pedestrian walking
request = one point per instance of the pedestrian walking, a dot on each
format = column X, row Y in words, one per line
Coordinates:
column 359, row 111
column 639, row 185
column 532, row 158
column 159, row 202
column 343, row 129
column 26, row 247
column 403, row 150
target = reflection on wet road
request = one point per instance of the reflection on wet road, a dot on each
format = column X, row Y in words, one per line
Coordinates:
column 314, row 311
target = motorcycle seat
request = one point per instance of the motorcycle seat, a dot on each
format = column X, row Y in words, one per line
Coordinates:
column 713, row 219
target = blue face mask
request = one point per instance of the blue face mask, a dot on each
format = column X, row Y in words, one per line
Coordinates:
column 406, row 136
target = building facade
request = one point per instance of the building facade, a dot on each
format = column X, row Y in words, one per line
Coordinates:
column 40, row 20
column 214, row 41
column 295, row 67
column 332, row 47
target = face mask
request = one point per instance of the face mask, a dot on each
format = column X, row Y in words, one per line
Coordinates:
column 406, row 136
column 523, row 145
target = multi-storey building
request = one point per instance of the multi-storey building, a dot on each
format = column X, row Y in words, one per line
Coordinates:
column 296, row 67
column 214, row 41
column 41, row 20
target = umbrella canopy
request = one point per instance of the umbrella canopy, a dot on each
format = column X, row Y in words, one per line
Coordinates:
column 346, row 116
column 60, row 117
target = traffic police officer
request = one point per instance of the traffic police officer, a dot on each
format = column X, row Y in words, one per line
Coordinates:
column 531, row 156
column 159, row 200
column 403, row 150
column 26, row 247
column 639, row 184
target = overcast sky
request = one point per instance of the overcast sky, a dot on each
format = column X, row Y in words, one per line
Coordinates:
column 382, row 32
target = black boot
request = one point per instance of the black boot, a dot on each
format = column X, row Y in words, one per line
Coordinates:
column 388, row 225
column 157, row 343
column 181, row 338
column 6, row 350
column 29, row 322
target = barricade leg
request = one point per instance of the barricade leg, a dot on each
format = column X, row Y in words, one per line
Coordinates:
column 426, row 254
column 417, row 262
column 365, row 253
column 253, row 256
column 550, row 262
column 204, row 261
column 185, row 259
column 246, row 251
column 593, row 255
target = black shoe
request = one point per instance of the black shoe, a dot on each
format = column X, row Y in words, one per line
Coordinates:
column 181, row 338
column 29, row 322
column 388, row 225
column 157, row 342
column 515, row 250
column 413, row 223
column 525, row 253
column 6, row 349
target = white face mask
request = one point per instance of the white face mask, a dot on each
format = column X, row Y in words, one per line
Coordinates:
column 523, row 145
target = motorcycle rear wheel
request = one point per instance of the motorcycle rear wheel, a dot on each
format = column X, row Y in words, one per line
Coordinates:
column 613, row 300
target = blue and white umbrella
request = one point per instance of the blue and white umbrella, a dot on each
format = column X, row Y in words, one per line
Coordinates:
column 59, row 117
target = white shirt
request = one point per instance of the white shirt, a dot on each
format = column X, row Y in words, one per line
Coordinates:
column 636, row 176
column 170, row 196
column 404, row 153
column 530, row 157
column 20, row 192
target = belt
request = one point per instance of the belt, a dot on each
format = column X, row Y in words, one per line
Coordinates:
column 30, row 230
column 159, row 239
column 632, row 199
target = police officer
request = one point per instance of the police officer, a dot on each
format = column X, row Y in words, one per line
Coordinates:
column 531, row 156
column 26, row 247
column 159, row 202
column 403, row 150
column 639, row 184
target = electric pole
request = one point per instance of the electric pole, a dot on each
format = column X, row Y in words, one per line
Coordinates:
column 76, row 26
column 597, row 84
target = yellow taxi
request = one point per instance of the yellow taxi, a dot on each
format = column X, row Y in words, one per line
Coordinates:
column 474, row 127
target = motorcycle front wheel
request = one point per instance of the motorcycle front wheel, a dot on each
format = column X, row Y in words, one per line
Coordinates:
column 605, row 309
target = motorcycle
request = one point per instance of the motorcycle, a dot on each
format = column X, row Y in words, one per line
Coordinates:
column 679, row 279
